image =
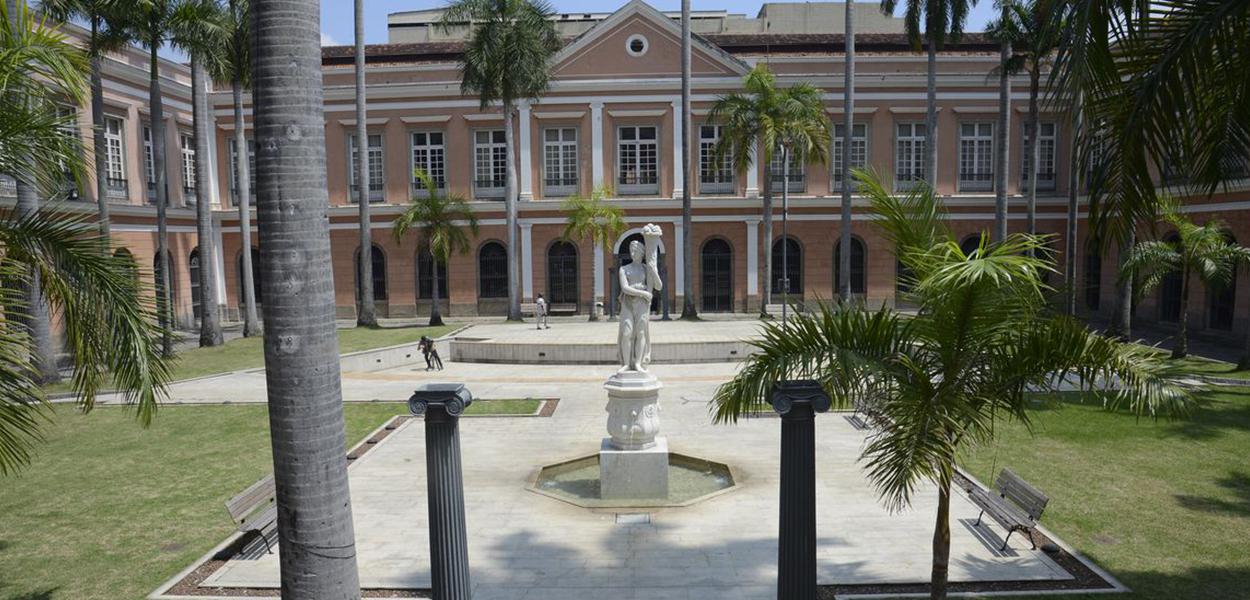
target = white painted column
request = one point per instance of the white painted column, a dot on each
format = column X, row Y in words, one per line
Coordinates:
column 524, row 148
column 679, row 152
column 527, row 262
column 213, row 193
column 599, row 273
column 753, row 257
column 679, row 238
column 753, row 180
column 596, row 143
column 221, row 261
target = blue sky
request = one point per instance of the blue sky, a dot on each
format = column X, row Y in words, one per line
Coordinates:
column 337, row 15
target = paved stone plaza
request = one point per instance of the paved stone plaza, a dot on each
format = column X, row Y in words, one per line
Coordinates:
column 526, row 545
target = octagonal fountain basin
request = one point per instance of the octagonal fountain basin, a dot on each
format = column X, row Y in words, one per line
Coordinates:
column 690, row 480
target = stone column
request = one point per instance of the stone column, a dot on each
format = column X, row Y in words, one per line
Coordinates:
column 753, row 180
column 442, row 404
column 797, row 402
column 679, row 151
column 596, row 143
column 524, row 145
column 753, row 264
column 527, row 261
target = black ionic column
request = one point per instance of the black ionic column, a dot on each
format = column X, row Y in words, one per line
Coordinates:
column 442, row 404
column 797, row 402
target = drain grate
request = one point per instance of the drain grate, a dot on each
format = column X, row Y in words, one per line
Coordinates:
column 633, row 518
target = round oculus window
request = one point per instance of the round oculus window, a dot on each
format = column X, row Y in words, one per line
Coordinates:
column 636, row 45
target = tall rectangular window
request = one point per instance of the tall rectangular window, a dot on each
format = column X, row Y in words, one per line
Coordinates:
column 115, row 161
column 715, row 176
column 429, row 154
column 798, row 172
column 1046, row 156
column 559, row 161
column 376, row 174
column 149, row 163
column 976, row 157
column 490, row 163
column 910, row 142
column 188, row 165
column 71, row 135
column 859, row 151
column 637, row 160
column 234, row 169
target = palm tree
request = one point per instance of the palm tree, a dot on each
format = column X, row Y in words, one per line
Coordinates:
column 848, row 136
column 592, row 218
column 688, row 309
column 942, row 20
column 505, row 61
column 440, row 221
column 235, row 70
column 981, row 342
column 315, row 534
column 1003, row 141
column 366, row 314
column 204, row 39
column 152, row 24
column 101, row 15
column 107, row 326
column 1202, row 250
column 764, row 119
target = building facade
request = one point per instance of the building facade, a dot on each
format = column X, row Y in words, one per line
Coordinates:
column 611, row 119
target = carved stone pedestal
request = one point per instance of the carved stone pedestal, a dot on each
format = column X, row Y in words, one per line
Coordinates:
column 633, row 462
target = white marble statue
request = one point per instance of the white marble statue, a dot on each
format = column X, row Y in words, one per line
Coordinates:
column 639, row 280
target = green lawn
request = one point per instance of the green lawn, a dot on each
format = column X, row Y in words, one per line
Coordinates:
column 249, row 353
column 1214, row 368
column 1164, row 506
column 109, row 510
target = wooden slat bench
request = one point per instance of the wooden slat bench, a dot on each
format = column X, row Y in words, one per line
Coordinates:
column 254, row 510
column 1013, row 502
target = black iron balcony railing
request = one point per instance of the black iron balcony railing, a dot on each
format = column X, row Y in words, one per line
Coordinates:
column 489, row 183
column 560, row 181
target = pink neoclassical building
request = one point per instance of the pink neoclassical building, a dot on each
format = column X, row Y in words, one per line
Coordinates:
column 611, row 119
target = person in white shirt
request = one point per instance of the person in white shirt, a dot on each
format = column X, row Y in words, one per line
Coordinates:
column 540, row 311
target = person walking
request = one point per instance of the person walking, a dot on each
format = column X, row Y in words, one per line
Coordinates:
column 425, row 346
column 438, row 362
column 540, row 311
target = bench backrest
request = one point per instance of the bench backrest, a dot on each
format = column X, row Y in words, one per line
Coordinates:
column 257, row 495
column 1021, row 493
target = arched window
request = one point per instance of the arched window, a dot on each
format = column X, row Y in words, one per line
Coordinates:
column 193, row 269
column 124, row 255
column 1093, row 280
column 787, row 266
column 492, row 271
column 1222, row 299
column 858, row 285
column 1170, row 289
column 378, row 268
column 970, row 244
column 425, row 276
column 255, row 277
column 562, row 273
column 716, row 276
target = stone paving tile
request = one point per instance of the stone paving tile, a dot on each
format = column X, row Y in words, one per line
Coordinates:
column 526, row 545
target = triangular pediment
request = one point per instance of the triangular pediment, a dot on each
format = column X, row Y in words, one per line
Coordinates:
column 605, row 50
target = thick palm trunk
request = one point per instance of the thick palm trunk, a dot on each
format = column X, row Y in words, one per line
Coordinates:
column 1182, row 333
column 36, row 318
column 767, row 246
column 315, row 534
column 930, row 119
column 1035, row 148
column 366, row 314
column 688, row 308
column 210, row 317
column 1122, row 322
column 941, row 542
column 436, row 317
column 243, row 186
column 164, row 299
column 848, row 124
column 1074, row 183
column 97, row 137
column 1004, row 129
column 510, row 192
